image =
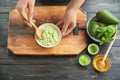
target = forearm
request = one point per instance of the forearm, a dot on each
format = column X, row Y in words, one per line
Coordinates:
column 75, row 4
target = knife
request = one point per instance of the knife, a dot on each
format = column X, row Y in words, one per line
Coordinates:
column 77, row 28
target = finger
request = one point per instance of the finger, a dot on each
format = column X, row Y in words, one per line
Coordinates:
column 21, row 10
column 59, row 23
column 64, row 29
column 18, row 7
column 30, row 11
column 70, row 29
column 33, row 20
column 28, row 24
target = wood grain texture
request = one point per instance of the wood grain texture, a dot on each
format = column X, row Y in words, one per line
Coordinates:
column 4, row 20
column 21, row 40
column 14, row 67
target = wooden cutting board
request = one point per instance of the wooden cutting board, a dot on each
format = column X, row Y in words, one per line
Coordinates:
column 21, row 39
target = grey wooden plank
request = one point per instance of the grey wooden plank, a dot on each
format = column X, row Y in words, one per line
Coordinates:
column 3, row 37
column 56, row 67
column 53, row 72
column 4, row 20
column 117, row 42
column 10, row 59
column 6, row 5
column 2, row 9
column 95, row 5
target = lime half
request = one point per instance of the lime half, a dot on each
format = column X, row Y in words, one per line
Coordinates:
column 84, row 60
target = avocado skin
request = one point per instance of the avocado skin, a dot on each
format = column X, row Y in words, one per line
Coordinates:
column 107, row 17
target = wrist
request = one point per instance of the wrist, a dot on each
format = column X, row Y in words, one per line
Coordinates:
column 69, row 9
column 75, row 4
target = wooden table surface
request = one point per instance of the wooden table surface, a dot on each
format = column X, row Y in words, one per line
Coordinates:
column 56, row 67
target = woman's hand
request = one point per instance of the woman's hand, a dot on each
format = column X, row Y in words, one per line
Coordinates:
column 28, row 7
column 69, row 21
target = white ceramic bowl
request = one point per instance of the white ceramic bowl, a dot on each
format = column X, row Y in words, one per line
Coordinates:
column 92, row 18
column 93, row 38
column 55, row 28
column 94, row 47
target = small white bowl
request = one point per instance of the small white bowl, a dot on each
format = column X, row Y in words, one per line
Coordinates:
column 55, row 28
column 95, row 47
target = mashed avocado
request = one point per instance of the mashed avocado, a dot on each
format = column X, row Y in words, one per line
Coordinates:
column 50, row 35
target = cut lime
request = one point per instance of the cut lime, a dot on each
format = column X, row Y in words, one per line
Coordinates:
column 84, row 60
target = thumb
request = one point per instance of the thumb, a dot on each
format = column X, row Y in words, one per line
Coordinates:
column 64, row 29
column 59, row 23
column 30, row 11
column 71, row 27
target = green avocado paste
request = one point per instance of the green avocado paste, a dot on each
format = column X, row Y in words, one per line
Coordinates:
column 93, row 49
column 50, row 36
column 84, row 60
